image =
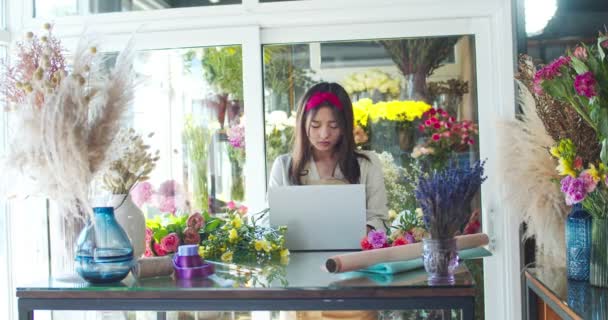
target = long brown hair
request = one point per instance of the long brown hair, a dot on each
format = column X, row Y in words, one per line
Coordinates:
column 345, row 149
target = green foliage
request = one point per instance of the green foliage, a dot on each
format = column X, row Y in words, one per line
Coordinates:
column 197, row 139
column 222, row 68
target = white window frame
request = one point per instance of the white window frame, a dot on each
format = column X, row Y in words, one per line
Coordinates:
column 252, row 24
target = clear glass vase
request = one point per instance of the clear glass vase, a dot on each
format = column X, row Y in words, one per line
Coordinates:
column 578, row 243
column 104, row 253
column 599, row 255
column 440, row 257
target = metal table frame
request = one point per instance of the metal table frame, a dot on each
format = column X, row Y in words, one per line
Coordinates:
column 27, row 303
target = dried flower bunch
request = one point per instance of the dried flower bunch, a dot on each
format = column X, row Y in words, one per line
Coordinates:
column 63, row 122
column 451, row 86
column 558, row 118
column 444, row 196
column 134, row 164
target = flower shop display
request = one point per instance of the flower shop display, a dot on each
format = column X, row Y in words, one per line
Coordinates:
column 239, row 237
column 197, row 140
column 64, row 119
column 363, row 259
column 388, row 123
column 133, row 164
column 104, row 253
column 444, row 196
column 233, row 237
column 374, row 84
column 62, row 124
column 577, row 80
column 398, row 184
column 586, row 186
column 444, row 137
column 416, row 59
column 236, row 154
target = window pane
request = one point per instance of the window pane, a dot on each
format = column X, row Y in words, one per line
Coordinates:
column 191, row 99
column 392, row 83
column 60, row 8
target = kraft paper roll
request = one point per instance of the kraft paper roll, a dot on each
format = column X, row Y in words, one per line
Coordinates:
column 363, row 259
column 148, row 267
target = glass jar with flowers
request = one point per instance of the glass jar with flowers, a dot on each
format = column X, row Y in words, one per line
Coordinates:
column 579, row 79
column 444, row 137
column 444, row 196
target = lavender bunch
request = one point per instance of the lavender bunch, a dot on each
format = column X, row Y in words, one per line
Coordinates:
column 444, row 196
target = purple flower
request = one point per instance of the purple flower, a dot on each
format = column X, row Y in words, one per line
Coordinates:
column 236, row 136
column 574, row 188
column 377, row 239
column 589, row 181
column 585, row 85
column 142, row 193
column 409, row 236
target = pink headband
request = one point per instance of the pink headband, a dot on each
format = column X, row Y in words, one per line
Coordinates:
column 320, row 97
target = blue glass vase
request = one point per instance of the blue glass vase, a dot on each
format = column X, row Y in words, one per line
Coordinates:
column 578, row 243
column 104, row 253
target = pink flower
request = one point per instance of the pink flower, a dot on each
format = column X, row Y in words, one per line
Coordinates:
column 436, row 137
column 159, row 250
column 191, row 236
column 231, row 205
column 585, row 85
column 604, row 44
column 433, row 112
column 580, row 52
column 149, row 235
column 166, row 204
column 243, row 210
column 236, row 136
column 142, row 193
column 195, row 221
column 588, row 180
column 437, row 125
column 148, row 252
column 434, row 120
column 428, row 122
column 421, row 128
column 170, row 242
column 574, row 188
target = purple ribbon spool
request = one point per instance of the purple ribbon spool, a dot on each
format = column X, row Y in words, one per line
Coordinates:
column 189, row 265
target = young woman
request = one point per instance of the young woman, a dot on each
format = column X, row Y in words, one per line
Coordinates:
column 324, row 151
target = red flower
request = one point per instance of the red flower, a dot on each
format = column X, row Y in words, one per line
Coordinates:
column 472, row 227
column 427, row 123
column 399, row 241
column 159, row 250
column 421, row 128
column 436, row 137
column 195, row 221
column 170, row 242
column 365, row 245
column 434, row 120
column 578, row 163
column 433, row 112
column 191, row 236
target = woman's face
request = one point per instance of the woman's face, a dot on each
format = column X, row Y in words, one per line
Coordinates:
column 324, row 131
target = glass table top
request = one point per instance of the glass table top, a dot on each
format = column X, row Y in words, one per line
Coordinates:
column 585, row 300
column 304, row 273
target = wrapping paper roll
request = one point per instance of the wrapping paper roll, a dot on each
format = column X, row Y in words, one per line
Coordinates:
column 364, row 259
column 148, row 267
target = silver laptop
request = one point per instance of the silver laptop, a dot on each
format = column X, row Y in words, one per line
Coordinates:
column 320, row 217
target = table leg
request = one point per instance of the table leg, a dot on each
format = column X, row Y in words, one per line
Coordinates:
column 468, row 310
column 24, row 313
column 531, row 303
